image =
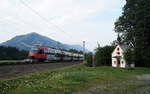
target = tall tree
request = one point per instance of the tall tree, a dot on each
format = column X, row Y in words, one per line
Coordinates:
column 11, row 53
column 134, row 26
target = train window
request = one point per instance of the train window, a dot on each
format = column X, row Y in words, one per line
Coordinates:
column 46, row 51
column 40, row 51
column 52, row 53
column 57, row 55
column 34, row 51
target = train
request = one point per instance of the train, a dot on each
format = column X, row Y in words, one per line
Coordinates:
column 43, row 53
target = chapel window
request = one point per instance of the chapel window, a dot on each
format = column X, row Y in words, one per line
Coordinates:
column 118, row 53
column 118, row 49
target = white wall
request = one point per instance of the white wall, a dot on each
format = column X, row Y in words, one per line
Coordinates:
column 115, row 51
column 123, row 65
column 113, row 60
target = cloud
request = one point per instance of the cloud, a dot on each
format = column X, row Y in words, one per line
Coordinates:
column 90, row 20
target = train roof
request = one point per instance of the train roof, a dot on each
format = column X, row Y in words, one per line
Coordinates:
column 48, row 47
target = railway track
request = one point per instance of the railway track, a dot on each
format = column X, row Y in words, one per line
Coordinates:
column 25, row 63
column 16, row 63
column 14, row 70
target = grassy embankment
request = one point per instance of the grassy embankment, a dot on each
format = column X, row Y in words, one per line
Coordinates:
column 11, row 61
column 77, row 79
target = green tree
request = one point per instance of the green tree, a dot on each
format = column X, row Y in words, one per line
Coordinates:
column 89, row 59
column 12, row 53
column 103, row 55
column 75, row 51
column 129, row 56
column 134, row 27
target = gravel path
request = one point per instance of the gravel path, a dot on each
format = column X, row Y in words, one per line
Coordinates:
column 141, row 86
column 145, row 77
column 17, row 70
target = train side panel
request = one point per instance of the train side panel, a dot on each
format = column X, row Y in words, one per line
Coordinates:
column 51, row 54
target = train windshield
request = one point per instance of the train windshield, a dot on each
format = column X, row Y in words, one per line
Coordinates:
column 34, row 51
column 40, row 51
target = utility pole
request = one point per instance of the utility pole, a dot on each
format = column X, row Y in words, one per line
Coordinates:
column 84, row 49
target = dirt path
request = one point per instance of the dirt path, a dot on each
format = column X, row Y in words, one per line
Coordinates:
column 140, row 85
column 145, row 77
column 17, row 70
column 145, row 89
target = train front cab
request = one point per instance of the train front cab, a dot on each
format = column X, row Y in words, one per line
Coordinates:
column 37, row 54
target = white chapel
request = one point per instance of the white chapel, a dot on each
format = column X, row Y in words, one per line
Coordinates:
column 118, row 57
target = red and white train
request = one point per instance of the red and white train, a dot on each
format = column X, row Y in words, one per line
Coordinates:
column 52, row 54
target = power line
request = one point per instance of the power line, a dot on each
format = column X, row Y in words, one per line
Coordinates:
column 43, row 18
column 25, row 23
column 20, row 21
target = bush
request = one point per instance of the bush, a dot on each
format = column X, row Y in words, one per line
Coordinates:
column 129, row 56
column 103, row 55
column 89, row 59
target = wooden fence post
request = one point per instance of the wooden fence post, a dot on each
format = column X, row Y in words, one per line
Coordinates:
column 93, row 62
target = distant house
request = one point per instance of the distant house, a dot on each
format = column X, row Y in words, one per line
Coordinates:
column 118, row 57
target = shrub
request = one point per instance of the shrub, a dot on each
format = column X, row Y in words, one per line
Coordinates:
column 89, row 59
column 129, row 56
column 103, row 55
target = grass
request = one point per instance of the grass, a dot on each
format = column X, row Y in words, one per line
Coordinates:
column 77, row 79
column 10, row 61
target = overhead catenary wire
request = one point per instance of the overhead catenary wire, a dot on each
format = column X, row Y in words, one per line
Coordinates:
column 48, row 21
column 43, row 18
column 17, row 20
column 20, row 21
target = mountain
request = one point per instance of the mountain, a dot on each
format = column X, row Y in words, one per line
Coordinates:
column 26, row 42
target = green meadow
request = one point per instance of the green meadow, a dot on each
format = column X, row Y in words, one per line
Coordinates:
column 79, row 79
column 10, row 61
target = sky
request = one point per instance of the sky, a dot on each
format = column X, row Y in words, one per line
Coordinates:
column 67, row 21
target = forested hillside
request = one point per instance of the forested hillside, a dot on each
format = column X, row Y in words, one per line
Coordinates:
column 11, row 53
